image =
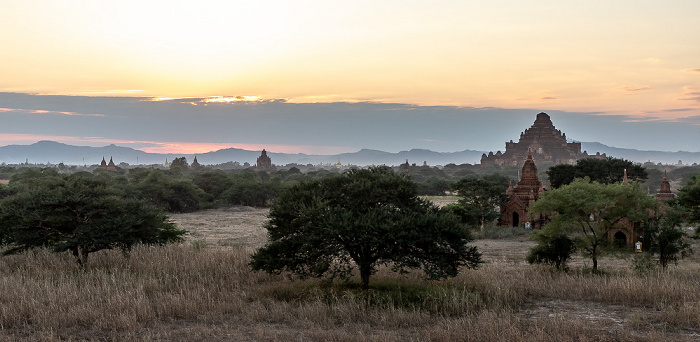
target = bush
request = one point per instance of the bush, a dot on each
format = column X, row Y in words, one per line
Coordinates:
column 553, row 250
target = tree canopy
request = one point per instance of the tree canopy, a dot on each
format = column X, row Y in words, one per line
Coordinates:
column 606, row 171
column 689, row 198
column 480, row 198
column 586, row 211
column 367, row 218
column 664, row 236
column 80, row 213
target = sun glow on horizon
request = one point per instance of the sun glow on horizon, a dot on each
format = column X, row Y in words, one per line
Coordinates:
column 166, row 147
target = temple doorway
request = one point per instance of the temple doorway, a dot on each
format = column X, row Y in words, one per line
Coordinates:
column 516, row 219
column 620, row 239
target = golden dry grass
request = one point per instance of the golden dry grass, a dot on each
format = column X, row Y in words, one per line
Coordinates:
column 186, row 292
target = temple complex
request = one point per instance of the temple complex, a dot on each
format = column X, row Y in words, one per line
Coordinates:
column 529, row 188
column 545, row 141
column 105, row 166
column 264, row 162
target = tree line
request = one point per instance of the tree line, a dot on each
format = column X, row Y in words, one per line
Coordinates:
column 323, row 223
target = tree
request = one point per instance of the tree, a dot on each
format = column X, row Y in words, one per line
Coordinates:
column 689, row 199
column 606, row 171
column 551, row 249
column 586, row 211
column 433, row 186
column 169, row 194
column 664, row 236
column 79, row 213
column 482, row 196
column 180, row 162
column 367, row 217
column 561, row 174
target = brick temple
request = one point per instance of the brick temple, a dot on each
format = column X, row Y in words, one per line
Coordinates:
column 547, row 144
column 515, row 211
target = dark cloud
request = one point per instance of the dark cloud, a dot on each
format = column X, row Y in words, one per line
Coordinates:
column 692, row 70
column 549, row 98
column 386, row 126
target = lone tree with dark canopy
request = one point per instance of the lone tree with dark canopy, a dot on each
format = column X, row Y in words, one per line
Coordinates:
column 80, row 213
column 364, row 219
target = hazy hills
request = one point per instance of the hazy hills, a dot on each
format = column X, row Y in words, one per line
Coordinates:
column 52, row 152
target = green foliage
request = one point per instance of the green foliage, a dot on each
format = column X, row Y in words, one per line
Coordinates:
column 586, row 211
column 169, row 194
column 664, row 236
column 561, row 174
column 551, row 249
column 214, row 182
column 605, row 171
column 248, row 189
column 689, row 199
column 495, row 232
column 481, row 198
column 643, row 263
column 434, row 186
column 180, row 162
column 80, row 213
column 466, row 215
column 363, row 217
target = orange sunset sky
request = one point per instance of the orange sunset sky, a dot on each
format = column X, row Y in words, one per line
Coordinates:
column 638, row 58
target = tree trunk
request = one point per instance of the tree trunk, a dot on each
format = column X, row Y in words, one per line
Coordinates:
column 595, row 264
column 365, row 272
column 80, row 255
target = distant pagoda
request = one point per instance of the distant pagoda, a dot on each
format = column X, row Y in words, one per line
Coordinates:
column 108, row 167
column 263, row 162
column 547, row 143
column 195, row 164
column 665, row 193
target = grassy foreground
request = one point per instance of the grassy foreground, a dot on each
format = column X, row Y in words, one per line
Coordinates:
column 187, row 292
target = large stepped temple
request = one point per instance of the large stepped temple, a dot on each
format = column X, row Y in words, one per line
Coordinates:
column 547, row 144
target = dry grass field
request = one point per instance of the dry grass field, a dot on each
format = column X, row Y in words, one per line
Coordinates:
column 202, row 290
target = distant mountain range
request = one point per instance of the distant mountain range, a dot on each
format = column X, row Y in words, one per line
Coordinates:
column 663, row 157
column 44, row 152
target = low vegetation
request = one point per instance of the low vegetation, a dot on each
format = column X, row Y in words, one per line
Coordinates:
column 182, row 292
column 204, row 288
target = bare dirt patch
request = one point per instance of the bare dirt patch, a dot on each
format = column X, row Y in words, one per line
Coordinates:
column 235, row 226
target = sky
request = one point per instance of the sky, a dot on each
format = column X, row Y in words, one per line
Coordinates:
column 331, row 76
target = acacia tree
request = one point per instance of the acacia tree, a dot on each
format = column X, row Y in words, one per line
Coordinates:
column 586, row 211
column 367, row 218
column 481, row 197
column 80, row 213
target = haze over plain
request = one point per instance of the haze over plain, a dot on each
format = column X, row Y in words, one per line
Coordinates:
column 326, row 77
